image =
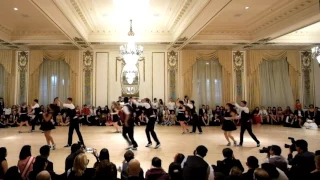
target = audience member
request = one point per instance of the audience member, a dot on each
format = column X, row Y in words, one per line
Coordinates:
column 260, row 174
column 13, row 174
column 105, row 170
column 175, row 170
column 302, row 163
column 228, row 163
column 134, row 170
column 123, row 169
column 156, row 172
column 40, row 164
column 315, row 175
column 195, row 167
column 75, row 150
column 104, row 155
column 235, row 174
column 79, row 170
column 253, row 164
column 274, row 172
column 25, row 163
column 3, row 162
column 43, row 175
column 275, row 158
column 45, row 152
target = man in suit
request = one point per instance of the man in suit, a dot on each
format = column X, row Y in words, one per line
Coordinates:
column 202, row 111
column 228, row 163
column 45, row 152
column 253, row 164
column 300, row 115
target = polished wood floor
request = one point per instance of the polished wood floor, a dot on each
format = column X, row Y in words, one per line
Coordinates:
column 172, row 142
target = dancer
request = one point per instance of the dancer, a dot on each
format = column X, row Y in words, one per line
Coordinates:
column 194, row 117
column 24, row 118
column 181, row 116
column 128, row 127
column 115, row 116
column 228, row 124
column 35, row 112
column 74, row 122
column 151, row 120
column 245, row 122
column 47, row 125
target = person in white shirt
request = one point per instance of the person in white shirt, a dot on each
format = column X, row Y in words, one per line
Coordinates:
column 155, row 106
column 128, row 127
column 35, row 113
column 245, row 122
column 264, row 115
column 171, row 105
column 74, row 122
column 7, row 112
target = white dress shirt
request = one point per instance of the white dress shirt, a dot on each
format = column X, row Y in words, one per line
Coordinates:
column 245, row 109
column 7, row 111
column 171, row 105
column 125, row 109
column 263, row 112
column 69, row 106
column 35, row 106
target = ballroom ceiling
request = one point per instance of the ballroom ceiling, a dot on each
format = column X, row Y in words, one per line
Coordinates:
column 170, row 24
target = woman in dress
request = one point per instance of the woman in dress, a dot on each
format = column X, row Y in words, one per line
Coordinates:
column 181, row 117
column 24, row 118
column 115, row 116
column 280, row 114
column 256, row 115
column 160, row 113
column 47, row 125
column 228, row 124
column 273, row 115
column 310, row 118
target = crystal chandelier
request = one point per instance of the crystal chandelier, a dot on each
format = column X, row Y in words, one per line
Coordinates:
column 316, row 53
column 131, row 49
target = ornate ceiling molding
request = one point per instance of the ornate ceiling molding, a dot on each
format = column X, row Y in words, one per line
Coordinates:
column 224, row 32
column 181, row 13
column 5, row 29
column 284, row 15
column 77, row 8
column 32, row 32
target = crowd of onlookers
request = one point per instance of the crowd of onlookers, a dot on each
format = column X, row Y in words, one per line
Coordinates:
column 304, row 165
column 167, row 115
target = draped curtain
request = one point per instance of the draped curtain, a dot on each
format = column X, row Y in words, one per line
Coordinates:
column 275, row 86
column 54, row 81
column 190, row 57
column 7, row 64
column 71, row 57
column 207, row 80
column 254, row 60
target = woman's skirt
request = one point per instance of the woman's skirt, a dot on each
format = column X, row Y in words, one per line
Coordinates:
column 229, row 125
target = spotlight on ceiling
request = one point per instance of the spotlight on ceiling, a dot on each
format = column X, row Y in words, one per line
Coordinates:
column 16, row 9
column 247, row 7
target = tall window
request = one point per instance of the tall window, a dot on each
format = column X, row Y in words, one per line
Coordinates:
column 54, row 80
column 207, row 77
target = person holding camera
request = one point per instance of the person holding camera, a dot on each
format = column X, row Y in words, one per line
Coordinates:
column 275, row 158
column 303, row 162
column 228, row 163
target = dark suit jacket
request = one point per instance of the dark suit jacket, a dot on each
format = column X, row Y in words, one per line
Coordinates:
column 249, row 174
column 296, row 113
column 226, row 165
column 202, row 111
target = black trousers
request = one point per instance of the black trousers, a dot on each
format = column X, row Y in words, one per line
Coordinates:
column 128, row 135
column 74, row 125
column 196, row 123
column 247, row 126
column 150, row 130
column 34, row 122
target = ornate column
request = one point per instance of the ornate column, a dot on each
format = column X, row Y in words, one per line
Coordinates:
column 307, row 78
column 88, row 69
column 238, row 66
column 172, row 73
column 23, row 59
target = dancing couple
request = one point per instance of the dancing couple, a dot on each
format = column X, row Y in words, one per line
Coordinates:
column 229, row 125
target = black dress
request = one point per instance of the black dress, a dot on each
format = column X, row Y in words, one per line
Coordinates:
column 228, row 125
column 115, row 117
column 47, row 125
column 24, row 114
column 181, row 115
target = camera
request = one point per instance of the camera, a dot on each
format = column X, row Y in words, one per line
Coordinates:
column 265, row 150
column 292, row 147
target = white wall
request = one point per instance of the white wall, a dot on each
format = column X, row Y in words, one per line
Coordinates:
column 317, row 82
column 107, row 84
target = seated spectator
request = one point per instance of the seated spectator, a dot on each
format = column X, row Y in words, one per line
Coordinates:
column 105, row 170
column 235, row 174
column 173, row 118
column 253, row 164
column 134, row 170
column 205, row 119
column 260, row 174
column 280, row 115
column 299, row 115
column 3, row 122
column 274, row 172
column 43, row 175
column 104, row 155
column 175, row 170
column 13, row 174
column 303, row 162
column 13, row 120
column 26, row 160
column 256, row 116
column 275, row 158
column 7, row 113
column 310, row 118
column 315, row 175
column 290, row 120
column 273, row 116
column 75, row 150
column 317, row 116
column 156, row 172
column 45, row 153
column 79, row 170
column 40, row 164
column 228, row 163
column 264, row 116
column 123, row 169
column 195, row 167
column 3, row 162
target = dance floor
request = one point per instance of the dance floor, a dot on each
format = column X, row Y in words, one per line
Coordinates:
column 172, row 142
